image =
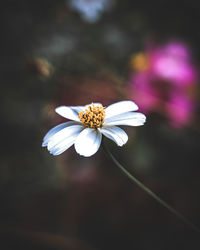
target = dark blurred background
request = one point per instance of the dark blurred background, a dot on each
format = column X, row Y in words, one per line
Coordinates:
column 75, row 52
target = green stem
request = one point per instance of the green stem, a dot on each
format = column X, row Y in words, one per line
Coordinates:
column 148, row 191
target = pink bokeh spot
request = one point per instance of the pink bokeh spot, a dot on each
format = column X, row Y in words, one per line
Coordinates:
column 145, row 96
column 180, row 110
column 163, row 86
column 173, row 63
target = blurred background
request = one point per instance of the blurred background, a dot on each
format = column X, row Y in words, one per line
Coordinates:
column 75, row 52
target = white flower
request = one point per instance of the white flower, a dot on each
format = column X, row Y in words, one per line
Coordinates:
column 90, row 9
column 88, row 125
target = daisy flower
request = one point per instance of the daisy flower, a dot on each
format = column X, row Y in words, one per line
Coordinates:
column 88, row 125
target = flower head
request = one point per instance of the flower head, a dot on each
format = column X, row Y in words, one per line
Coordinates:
column 88, row 125
column 93, row 116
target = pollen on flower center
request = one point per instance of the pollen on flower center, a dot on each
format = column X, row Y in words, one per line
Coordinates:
column 93, row 116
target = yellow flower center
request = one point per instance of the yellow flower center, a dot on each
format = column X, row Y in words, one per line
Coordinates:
column 93, row 116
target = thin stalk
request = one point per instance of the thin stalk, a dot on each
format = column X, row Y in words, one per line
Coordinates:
column 148, row 191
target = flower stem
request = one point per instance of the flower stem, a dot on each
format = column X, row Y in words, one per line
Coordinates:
column 148, row 191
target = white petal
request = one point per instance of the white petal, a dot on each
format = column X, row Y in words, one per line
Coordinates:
column 68, row 112
column 123, row 116
column 63, row 139
column 64, row 145
column 119, row 108
column 128, row 119
column 77, row 109
column 88, row 142
column 55, row 130
column 116, row 134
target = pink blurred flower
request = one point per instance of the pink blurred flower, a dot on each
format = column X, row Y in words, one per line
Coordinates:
column 173, row 63
column 180, row 109
column 147, row 96
column 162, row 81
